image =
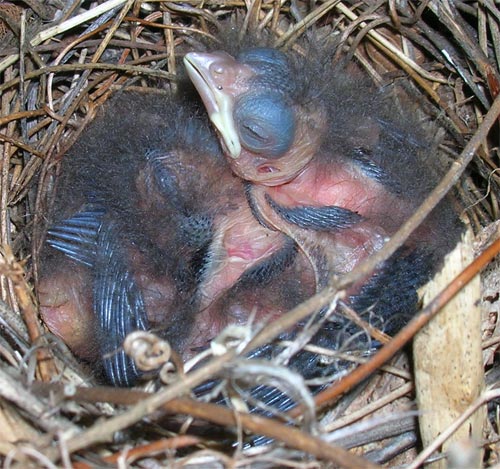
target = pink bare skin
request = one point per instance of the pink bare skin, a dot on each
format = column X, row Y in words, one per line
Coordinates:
column 341, row 186
column 65, row 297
column 253, row 306
column 239, row 244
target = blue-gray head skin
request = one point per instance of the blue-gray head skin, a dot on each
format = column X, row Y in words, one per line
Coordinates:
column 265, row 136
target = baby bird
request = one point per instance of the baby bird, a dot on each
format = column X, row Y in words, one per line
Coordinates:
column 151, row 232
column 331, row 162
column 173, row 220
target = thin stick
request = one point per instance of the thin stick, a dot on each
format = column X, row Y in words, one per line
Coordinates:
column 291, row 436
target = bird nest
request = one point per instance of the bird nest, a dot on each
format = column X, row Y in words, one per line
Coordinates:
column 61, row 60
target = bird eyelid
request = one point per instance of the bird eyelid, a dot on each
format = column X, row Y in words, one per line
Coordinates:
column 161, row 175
column 255, row 129
column 265, row 123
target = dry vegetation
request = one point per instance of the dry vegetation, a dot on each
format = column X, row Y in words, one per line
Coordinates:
column 60, row 61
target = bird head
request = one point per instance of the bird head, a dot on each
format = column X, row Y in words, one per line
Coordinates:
column 266, row 136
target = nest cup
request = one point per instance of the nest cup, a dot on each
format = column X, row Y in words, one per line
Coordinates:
column 61, row 61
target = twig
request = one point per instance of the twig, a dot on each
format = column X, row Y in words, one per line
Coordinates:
column 388, row 46
column 101, row 431
column 89, row 66
column 293, row 437
column 145, row 450
column 15, row 273
column 370, row 408
column 13, row 390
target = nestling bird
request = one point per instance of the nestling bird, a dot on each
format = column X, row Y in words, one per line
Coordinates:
column 333, row 164
column 151, row 232
column 174, row 221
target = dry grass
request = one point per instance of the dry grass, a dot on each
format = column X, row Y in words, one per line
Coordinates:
column 59, row 62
